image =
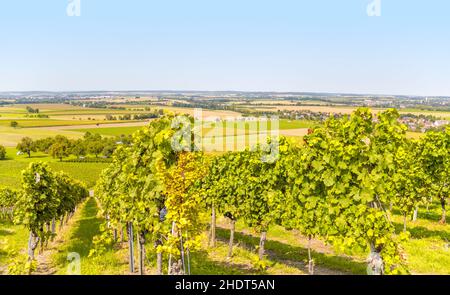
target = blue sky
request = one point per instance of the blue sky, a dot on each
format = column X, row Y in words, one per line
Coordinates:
column 249, row 45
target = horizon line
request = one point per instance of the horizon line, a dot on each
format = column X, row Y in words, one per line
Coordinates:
column 227, row 91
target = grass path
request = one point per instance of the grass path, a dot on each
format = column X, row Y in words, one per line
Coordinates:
column 79, row 240
column 12, row 237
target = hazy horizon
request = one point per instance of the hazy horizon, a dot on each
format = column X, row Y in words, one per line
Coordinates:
column 224, row 91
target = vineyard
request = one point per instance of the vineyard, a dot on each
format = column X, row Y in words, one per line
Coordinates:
column 348, row 183
column 45, row 199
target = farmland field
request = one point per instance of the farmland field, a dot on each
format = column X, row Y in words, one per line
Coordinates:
column 112, row 131
column 10, row 169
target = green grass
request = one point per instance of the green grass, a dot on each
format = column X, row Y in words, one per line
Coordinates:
column 428, row 249
column 296, row 124
column 79, row 239
column 438, row 114
column 283, row 124
column 11, row 168
column 213, row 261
column 289, row 246
column 12, row 237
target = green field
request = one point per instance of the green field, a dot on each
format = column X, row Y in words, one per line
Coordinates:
column 10, row 169
column 296, row 124
column 117, row 131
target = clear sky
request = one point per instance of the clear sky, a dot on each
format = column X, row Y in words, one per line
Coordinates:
column 248, row 45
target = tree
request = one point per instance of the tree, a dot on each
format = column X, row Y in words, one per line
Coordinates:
column 108, row 148
column 26, row 145
column 94, row 143
column 94, row 147
column 44, row 144
column 60, row 148
column 32, row 110
column 2, row 152
column 14, row 124
column 78, row 148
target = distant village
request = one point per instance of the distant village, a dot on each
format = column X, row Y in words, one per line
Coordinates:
column 422, row 123
column 415, row 123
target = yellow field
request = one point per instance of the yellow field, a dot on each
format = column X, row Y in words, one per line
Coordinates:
column 9, row 137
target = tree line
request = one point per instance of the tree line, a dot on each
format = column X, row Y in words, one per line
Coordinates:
column 61, row 147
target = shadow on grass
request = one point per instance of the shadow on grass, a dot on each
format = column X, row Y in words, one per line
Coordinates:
column 3, row 254
column 202, row 265
column 28, row 158
column 420, row 232
column 280, row 251
column 38, row 157
column 429, row 215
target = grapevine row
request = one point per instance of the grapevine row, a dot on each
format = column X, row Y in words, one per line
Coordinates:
column 340, row 185
column 44, row 198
